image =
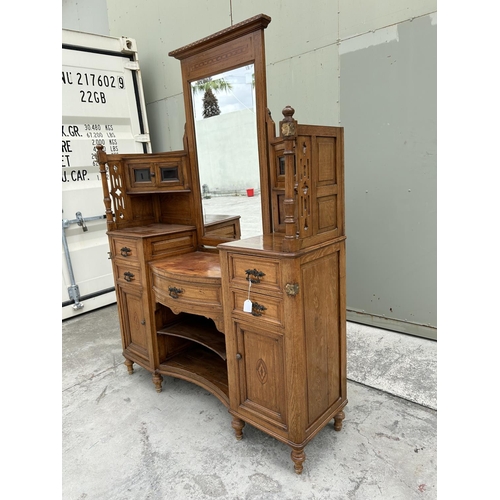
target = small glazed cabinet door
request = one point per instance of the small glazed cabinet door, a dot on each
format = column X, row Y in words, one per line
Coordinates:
column 260, row 374
column 156, row 175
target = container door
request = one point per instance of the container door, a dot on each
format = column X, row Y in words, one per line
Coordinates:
column 102, row 103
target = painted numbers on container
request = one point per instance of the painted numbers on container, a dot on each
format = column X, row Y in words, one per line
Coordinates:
column 99, row 107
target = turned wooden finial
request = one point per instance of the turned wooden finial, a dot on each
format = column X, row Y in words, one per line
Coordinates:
column 101, row 154
column 288, row 112
column 288, row 124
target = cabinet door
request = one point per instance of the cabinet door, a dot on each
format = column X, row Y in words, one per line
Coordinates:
column 261, row 374
column 133, row 324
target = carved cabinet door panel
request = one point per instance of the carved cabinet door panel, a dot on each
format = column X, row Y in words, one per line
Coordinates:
column 133, row 320
column 261, row 374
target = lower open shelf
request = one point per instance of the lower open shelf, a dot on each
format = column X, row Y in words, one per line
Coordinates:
column 202, row 367
column 198, row 329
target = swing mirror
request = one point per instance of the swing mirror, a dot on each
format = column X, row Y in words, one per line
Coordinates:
column 224, row 87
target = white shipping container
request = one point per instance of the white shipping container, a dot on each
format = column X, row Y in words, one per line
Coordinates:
column 102, row 103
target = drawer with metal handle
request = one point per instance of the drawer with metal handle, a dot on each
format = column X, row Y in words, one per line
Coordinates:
column 128, row 273
column 124, row 248
column 257, row 307
column 262, row 273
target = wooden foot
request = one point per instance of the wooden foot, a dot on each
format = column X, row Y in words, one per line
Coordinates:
column 130, row 366
column 237, row 424
column 338, row 420
column 157, row 380
column 298, row 457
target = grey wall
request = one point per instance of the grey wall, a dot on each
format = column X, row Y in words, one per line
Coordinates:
column 90, row 16
column 388, row 109
column 368, row 66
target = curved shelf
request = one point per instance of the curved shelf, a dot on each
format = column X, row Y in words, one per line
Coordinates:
column 197, row 329
column 202, row 367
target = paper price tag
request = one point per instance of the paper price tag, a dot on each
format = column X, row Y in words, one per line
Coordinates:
column 247, row 306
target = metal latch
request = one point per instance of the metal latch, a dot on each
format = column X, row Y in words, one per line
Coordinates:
column 81, row 221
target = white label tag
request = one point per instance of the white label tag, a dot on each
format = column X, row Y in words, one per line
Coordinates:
column 247, row 306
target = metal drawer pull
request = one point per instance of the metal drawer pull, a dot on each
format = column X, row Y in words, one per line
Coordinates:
column 257, row 309
column 256, row 275
column 174, row 292
column 125, row 251
column 128, row 276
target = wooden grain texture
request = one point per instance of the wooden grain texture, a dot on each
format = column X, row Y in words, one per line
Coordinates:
column 182, row 281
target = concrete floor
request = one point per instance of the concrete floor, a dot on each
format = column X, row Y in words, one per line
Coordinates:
column 124, row 441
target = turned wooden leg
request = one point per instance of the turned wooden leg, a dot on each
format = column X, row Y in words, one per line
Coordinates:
column 130, row 366
column 298, row 457
column 338, row 420
column 238, row 424
column 157, row 380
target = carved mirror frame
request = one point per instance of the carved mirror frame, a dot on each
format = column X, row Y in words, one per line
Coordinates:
column 239, row 45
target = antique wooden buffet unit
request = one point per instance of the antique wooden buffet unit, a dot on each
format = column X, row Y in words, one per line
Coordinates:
column 259, row 322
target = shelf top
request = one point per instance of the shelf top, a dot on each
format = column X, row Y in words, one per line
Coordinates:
column 153, row 230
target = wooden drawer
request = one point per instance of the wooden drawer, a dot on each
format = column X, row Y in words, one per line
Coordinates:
column 266, row 273
column 181, row 294
column 266, row 308
column 163, row 246
column 127, row 272
column 124, row 248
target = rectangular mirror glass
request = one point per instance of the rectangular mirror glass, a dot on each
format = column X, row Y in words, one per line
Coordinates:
column 227, row 148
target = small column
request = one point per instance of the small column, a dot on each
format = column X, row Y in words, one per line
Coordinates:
column 102, row 159
column 288, row 130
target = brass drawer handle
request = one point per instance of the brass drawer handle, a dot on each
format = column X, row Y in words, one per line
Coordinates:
column 174, row 292
column 125, row 251
column 256, row 275
column 128, row 276
column 257, row 309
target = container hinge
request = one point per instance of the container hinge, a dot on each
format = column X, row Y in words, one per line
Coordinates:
column 129, row 45
column 74, row 294
column 133, row 65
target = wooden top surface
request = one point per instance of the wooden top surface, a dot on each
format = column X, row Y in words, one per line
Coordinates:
column 271, row 244
column 152, row 230
column 189, row 265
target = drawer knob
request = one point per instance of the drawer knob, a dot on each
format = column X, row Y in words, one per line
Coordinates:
column 174, row 292
column 257, row 309
column 125, row 251
column 238, row 355
column 254, row 276
column 128, row 276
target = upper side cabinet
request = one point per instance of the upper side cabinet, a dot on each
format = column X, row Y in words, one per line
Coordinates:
column 161, row 173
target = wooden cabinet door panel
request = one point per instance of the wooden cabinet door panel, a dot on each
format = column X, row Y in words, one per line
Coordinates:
column 134, row 329
column 261, row 373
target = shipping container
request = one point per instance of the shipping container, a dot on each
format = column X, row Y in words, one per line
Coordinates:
column 102, row 103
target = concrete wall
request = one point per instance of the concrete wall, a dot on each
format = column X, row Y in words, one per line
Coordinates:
column 90, row 16
column 228, row 158
column 388, row 97
column 368, row 66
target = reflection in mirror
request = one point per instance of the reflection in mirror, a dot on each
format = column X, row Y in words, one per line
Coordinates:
column 227, row 149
